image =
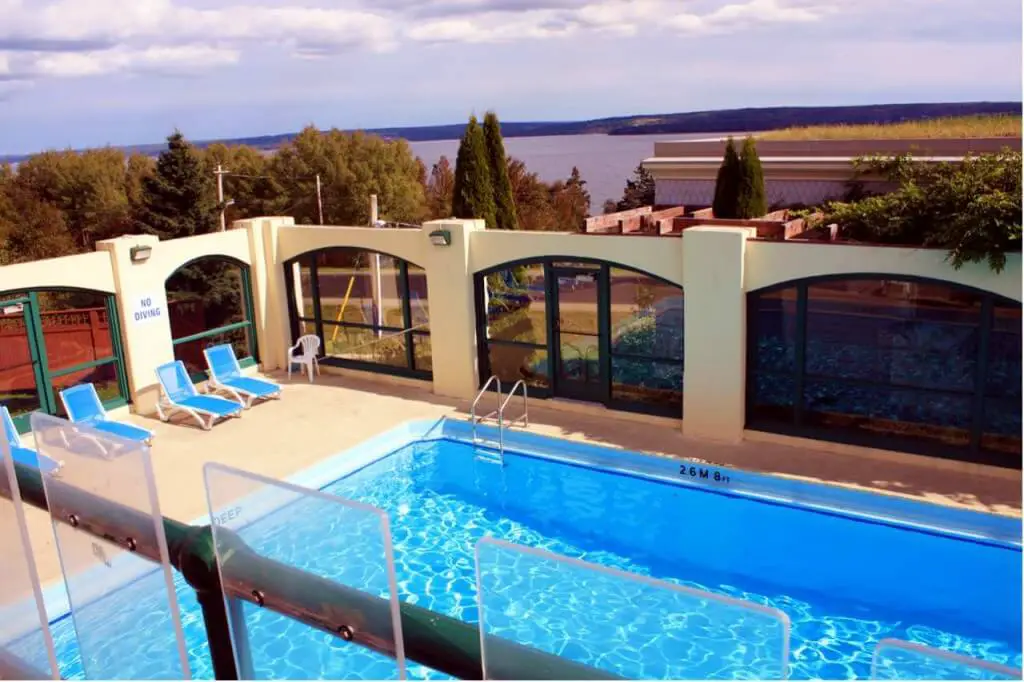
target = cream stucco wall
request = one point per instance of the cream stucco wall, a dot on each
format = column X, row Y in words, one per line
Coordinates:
column 716, row 266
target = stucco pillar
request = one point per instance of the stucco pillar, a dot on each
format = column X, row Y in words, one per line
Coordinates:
column 715, row 324
column 452, row 313
column 145, row 324
column 268, row 290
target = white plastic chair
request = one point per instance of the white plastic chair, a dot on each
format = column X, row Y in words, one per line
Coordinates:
column 309, row 345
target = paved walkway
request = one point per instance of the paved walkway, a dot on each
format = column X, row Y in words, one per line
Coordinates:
column 315, row 421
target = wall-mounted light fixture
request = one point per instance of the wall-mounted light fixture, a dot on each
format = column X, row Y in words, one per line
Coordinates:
column 141, row 253
column 441, row 238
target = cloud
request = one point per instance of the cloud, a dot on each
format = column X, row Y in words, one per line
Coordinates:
column 80, row 38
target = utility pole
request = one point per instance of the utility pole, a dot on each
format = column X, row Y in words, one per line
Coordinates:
column 220, row 173
column 319, row 200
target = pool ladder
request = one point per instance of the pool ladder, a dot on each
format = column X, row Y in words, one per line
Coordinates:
column 485, row 450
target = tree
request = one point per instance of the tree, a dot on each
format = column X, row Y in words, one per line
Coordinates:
column 31, row 229
column 473, row 195
column 532, row 197
column 571, row 201
column 439, row 189
column 752, row 201
column 639, row 191
column 727, row 183
column 179, row 199
column 972, row 208
column 248, row 183
column 504, row 202
column 351, row 166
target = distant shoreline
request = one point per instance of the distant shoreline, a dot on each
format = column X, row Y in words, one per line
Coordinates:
column 712, row 123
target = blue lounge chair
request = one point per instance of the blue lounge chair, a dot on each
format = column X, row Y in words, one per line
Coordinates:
column 178, row 394
column 23, row 455
column 83, row 406
column 226, row 375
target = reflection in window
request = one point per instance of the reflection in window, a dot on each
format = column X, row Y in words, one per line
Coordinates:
column 370, row 308
column 209, row 303
column 647, row 341
column 888, row 362
column 517, row 305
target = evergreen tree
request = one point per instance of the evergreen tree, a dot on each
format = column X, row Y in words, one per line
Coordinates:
column 639, row 191
column 439, row 190
column 751, row 201
column 571, row 202
column 727, row 183
column 473, row 195
column 179, row 199
column 504, row 201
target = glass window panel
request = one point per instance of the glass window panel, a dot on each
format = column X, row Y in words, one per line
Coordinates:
column 1002, row 430
column 517, row 305
column 773, row 399
column 577, row 303
column 1004, row 376
column 647, row 382
column 17, row 375
column 307, row 327
column 204, row 295
column 191, row 352
column 775, row 323
column 893, row 332
column 511, row 363
column 366, row 345
column 646, row 315
column 421, row 347
column 580, row 357
column 104, row 378
column 418, row 304
column 75, row 327
column 939, row 417
column 360, row 286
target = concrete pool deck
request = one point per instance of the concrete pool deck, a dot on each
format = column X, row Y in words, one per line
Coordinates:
column 315, row 421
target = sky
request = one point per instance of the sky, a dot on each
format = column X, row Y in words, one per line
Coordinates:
column 79, row 73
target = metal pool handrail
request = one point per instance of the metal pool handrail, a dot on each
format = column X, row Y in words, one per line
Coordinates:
column 525, row 418
column 431, row 639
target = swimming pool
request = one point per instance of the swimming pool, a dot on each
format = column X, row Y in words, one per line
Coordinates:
column 846, row 580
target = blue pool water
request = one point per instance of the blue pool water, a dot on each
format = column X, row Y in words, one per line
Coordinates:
column 845, row 583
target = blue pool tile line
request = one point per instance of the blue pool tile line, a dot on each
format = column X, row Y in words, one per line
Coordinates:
column 874, row 507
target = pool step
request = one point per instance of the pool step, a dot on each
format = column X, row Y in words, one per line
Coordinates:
column 488, row 451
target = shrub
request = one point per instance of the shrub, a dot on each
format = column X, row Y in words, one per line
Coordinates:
column 972, row 209
column 727, row 183
column 751, row 200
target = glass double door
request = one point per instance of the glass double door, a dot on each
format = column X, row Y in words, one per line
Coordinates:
column 579, row 331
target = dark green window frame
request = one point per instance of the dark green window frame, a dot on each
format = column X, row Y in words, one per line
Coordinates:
column 800, row 376
column 602, row 268
column 49, row 399
column 249, row 310
column 309, row 260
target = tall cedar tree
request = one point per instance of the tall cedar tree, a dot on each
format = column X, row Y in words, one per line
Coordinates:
column 504, row 201
column 727, row 184
column 751, row 201
column 179, row 200
column 473, row 195
column 639, row 192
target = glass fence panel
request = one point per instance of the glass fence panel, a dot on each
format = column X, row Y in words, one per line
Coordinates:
column 895, row 659
column 304, row 532
column 621, row 623
column 26, row 646
column 123, row 605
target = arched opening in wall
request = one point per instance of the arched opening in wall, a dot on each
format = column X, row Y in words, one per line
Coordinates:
column 52, row 339
column 894, row 363
column 583, row 330
column 369, row 309
column 209, row 302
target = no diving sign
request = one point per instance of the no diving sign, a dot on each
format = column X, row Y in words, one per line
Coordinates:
column 148, row 308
